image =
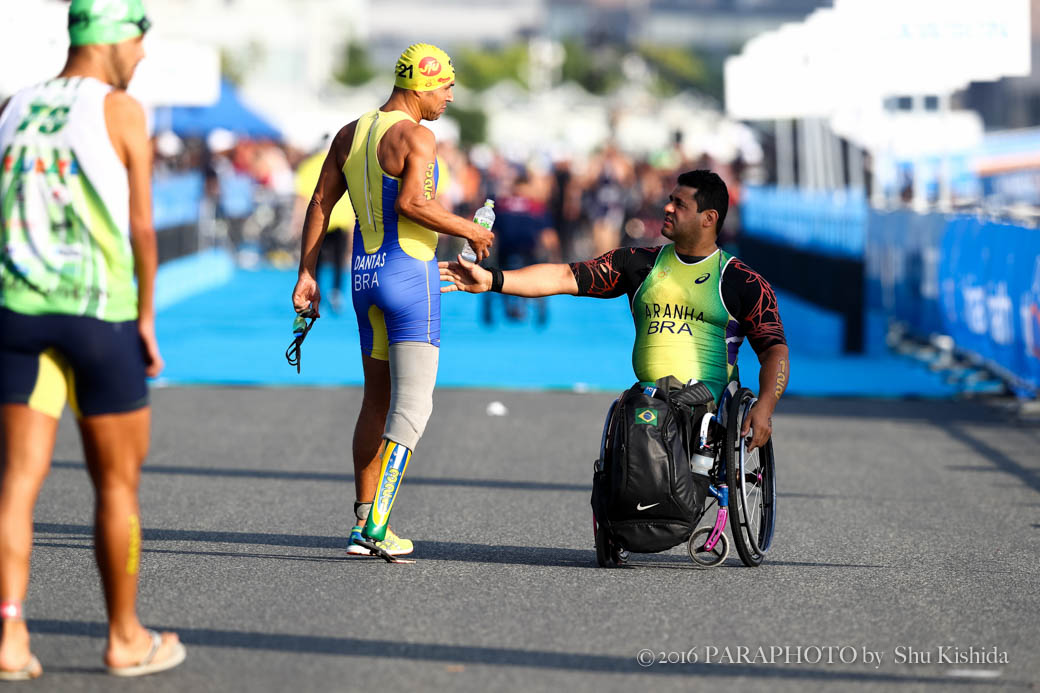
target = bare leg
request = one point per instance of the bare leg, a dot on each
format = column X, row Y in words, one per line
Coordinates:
column 115, row 446
column 368, row 434
column 25, row 454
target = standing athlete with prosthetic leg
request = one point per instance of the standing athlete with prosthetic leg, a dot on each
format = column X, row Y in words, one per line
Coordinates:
column 387, row 163
column 75, row 228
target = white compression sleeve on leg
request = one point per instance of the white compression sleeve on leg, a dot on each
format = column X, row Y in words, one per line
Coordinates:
column 413, row 374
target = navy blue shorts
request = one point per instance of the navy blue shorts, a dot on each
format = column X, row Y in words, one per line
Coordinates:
column 97, row 366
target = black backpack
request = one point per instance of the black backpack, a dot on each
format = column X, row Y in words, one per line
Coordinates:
column 643, row 491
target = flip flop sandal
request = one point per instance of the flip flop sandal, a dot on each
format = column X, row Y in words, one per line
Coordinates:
column 148, row 665
column 31, row 670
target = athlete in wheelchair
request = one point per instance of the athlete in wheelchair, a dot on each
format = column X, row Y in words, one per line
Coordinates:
column 651, row 489
column 693, row 304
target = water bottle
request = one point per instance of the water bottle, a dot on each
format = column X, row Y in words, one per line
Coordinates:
column 485, row 216
column 702, row 461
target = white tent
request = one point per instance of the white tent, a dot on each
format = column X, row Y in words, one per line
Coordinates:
column 840, row 64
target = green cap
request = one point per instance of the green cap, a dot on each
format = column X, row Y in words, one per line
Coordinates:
column 106, row 21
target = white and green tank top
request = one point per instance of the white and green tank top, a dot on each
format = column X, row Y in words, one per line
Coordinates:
column 64, row 206
column 682, row 325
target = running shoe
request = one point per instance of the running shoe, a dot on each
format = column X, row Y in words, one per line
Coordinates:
column 392, row 544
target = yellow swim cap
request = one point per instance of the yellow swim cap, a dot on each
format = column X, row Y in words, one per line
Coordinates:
column 423, row 67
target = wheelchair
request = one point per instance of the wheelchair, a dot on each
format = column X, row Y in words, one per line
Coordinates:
column 741, row 486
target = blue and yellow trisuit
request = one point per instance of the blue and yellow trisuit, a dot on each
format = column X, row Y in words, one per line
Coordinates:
column 395, row 281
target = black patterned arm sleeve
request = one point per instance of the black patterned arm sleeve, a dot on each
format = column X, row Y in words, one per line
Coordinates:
column 615, row 273
column 758, row 312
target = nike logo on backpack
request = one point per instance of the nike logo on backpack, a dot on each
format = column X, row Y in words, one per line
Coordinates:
column 640, row 506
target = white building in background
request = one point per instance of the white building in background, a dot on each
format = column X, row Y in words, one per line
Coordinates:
column 176, row 71
column 287, row 52
column 452, row 23
column 300, row 43
column 295, row 43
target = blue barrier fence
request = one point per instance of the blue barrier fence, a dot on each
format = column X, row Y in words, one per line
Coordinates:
column 176, row 198
column 236, row 196
column 902, row 268
column 830, row 223
column 974, row 280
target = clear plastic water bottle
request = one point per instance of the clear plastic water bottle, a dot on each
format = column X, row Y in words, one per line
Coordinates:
column 702, row 461
column 485, row 216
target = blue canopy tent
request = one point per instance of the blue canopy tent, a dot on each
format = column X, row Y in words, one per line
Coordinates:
column 228, row 113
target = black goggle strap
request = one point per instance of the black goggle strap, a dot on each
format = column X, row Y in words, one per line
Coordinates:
column 301, row 327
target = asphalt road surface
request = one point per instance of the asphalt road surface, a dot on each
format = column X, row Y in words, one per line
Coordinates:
column 906, row 547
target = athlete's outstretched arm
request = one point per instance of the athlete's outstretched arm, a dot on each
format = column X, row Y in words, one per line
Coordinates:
column 531, row 281
column 773, row 376
column 418, row 196
column 125, row 122
column 327, row 191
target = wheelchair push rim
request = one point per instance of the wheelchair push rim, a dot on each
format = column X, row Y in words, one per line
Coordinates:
column 752, row 482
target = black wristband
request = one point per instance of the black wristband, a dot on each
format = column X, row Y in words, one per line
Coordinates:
column 496, row 279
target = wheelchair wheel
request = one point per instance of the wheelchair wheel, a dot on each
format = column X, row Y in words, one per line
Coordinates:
column 605, row 439
column 752, row 486
column 602, row 544
column 703, row 558
column 607, row 554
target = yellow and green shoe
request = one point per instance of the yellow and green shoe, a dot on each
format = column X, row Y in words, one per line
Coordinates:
column 392, row 544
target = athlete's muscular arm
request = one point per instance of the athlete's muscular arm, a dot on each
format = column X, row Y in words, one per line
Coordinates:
column 772, row 381
column 751, row 299
column 612, row 274
column 531, row 281
column 327, row 192
column 540, row 280
column 125, row 122
column 418, row 196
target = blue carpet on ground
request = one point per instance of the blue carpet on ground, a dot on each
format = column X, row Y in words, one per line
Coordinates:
column 237, row 333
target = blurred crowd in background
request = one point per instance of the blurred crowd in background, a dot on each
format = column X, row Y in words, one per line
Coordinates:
column 547, row 209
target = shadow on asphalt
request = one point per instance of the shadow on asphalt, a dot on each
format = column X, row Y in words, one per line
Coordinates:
column 257, row 538
column 429, row 550
column 944, row 415
column 426, row 550
column 931, row 410
column 999, row 460
column 217, row 554
column 514, row 485
column 497, row 656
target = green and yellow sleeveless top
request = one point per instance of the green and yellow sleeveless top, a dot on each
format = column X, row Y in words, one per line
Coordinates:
column 64, row 206
column 682, row 325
